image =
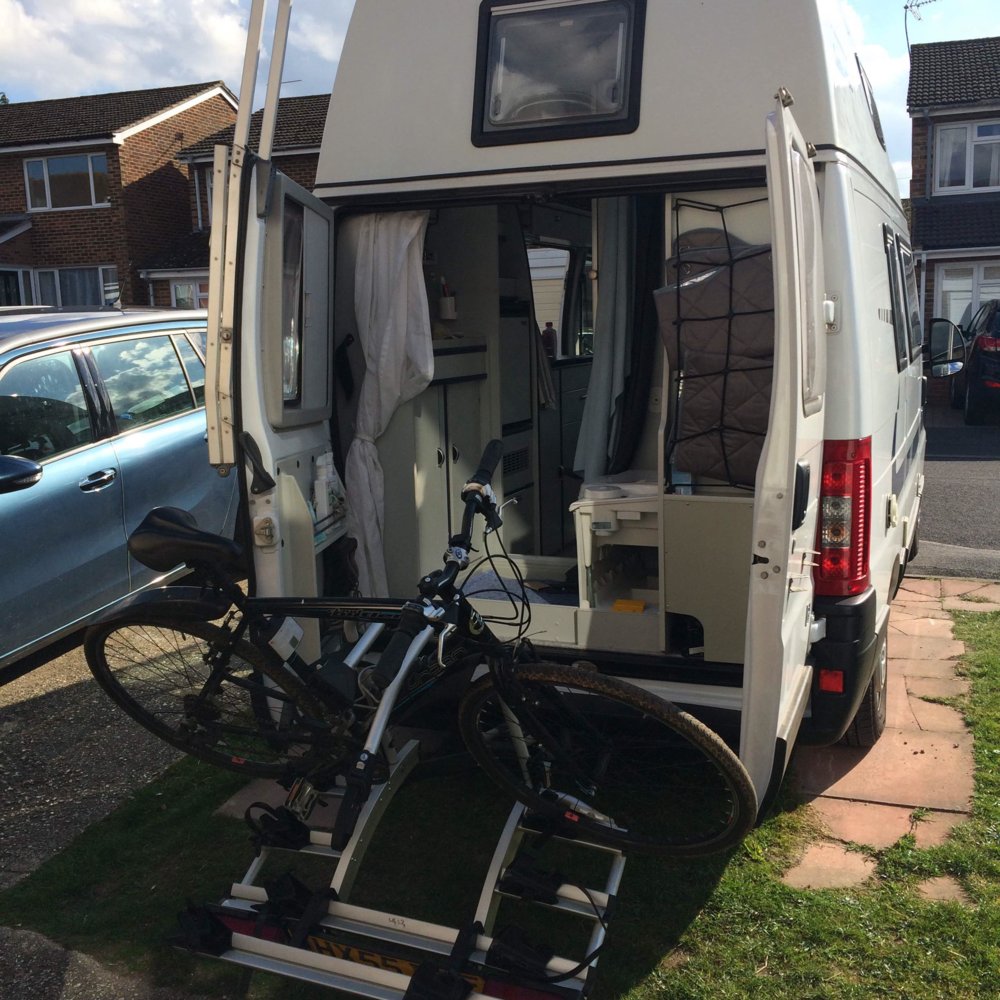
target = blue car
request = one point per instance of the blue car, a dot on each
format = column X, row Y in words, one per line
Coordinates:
column 102, row 418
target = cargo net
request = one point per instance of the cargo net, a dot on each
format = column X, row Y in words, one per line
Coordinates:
column 716, row 319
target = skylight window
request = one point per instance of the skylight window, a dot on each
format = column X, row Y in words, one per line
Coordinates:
column 557, row 70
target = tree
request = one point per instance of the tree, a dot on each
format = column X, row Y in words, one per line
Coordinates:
column 3, row 98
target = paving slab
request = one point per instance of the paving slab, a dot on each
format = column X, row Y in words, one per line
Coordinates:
column 943, row 889
column 898, row 714
column 829, row 866
column 937, row 687
column 910, row 647
column 923, row 627
column 867, row 823
column 905, row 768
column 979, row 588
column 916, row 587
column 934, row 718
column 928, row 609
column 272, row 794
column 934, row 828
column 936, row 669
column 960, row 604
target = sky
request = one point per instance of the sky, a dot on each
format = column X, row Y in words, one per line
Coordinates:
column 70, row 47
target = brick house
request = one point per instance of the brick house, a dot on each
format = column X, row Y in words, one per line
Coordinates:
column 954, row 102
column 91, row 187
column 178, row 275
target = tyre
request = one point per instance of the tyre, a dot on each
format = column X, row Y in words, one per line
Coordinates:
column 248, row 715
column 868, row 723
column 975, row 405
column 612, row 761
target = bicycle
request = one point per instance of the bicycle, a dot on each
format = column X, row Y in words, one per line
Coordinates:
column 216, row 673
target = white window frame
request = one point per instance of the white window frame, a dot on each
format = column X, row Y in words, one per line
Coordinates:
column 104, row 276
column 47, row 207
column 195, row 280
column 970, row 143
column 978, row 275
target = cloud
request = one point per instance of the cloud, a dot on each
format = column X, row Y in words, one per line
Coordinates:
column 51, row 50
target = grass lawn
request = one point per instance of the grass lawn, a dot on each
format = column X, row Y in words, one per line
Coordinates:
column 721, row 928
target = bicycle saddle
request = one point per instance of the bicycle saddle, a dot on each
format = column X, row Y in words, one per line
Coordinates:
column 168, row 536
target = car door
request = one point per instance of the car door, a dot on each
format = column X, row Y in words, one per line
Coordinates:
column 63, row 539
column 154, row 384
column 776, row 675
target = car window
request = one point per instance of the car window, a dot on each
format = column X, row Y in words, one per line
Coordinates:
column 43, row 409
column 194, row 367
column 144, row 379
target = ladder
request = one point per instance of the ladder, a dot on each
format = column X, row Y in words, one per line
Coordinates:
column 320, row 937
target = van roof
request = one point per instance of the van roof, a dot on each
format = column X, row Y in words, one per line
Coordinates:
column 401, row 114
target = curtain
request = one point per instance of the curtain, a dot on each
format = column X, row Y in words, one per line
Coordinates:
column 390, row 304
column 602, row 410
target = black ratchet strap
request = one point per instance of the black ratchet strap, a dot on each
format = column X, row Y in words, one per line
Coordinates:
column 442, row 980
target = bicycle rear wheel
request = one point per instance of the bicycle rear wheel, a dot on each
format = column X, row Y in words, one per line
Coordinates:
column 616, row 763
column 245, row 713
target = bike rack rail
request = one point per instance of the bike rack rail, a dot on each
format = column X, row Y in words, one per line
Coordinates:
column 321, row 938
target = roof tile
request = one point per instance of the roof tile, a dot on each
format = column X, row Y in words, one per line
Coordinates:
column 958, row 73
column 95, row 116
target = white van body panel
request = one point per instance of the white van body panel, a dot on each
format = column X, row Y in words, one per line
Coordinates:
column 406, row 125
column 398, row 135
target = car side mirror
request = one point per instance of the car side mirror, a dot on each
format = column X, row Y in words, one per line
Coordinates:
column 18, row 473
column 945, row 349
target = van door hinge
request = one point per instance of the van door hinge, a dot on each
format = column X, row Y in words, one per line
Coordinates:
column 892, row 511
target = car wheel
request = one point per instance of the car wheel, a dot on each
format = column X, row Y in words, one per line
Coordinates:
column 975, row 405
column 868, row 723
column 956, row 394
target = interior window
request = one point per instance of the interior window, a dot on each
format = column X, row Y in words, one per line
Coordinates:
column 43, row 410
column 144, row 379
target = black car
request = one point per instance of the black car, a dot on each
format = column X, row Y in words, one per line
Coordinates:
column 976, row 389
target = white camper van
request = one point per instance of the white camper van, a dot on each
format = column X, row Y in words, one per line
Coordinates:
column 715, row 451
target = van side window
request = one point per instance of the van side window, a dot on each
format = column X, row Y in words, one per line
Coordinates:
column 911, row 297
column 896, row 293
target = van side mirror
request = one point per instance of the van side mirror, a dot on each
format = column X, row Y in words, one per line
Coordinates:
column 945, row 349
column 18, row 473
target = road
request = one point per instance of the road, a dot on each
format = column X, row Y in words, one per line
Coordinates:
column 960, row 519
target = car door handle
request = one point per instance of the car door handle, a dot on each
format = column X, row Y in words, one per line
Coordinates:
column 98, row 480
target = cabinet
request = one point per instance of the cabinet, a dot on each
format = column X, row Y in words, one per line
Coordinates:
column 431, row 447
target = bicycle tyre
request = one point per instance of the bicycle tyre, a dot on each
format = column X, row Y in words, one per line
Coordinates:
column 614, row 762
column 155, row 670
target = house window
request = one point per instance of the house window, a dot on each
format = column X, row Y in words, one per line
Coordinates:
column 78, row 286
column 189, row 294
column 968, row 157
column 79, row 181
column 962, row 288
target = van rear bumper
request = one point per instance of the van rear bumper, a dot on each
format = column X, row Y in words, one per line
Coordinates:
column 850, row 645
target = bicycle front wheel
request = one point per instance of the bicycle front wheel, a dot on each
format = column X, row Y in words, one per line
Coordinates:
column 608, row 759
column 240, row 710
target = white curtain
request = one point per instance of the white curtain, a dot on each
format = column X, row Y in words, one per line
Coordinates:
column 601, row 412
column 390, row 303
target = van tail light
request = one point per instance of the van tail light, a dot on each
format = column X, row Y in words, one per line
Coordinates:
column 844, row 518
column 991, row 344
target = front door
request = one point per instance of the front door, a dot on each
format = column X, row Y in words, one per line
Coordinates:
column 10, row 289
column 776, row 678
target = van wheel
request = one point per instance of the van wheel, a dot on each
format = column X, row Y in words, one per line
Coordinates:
column 869, row 722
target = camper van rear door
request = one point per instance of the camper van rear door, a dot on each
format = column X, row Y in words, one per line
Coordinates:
column 776, row 677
